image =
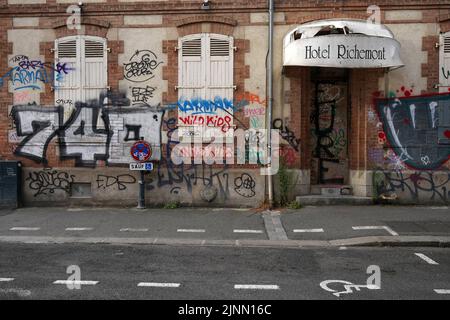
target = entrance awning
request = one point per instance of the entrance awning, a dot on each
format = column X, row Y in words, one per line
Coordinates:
column 341, row 44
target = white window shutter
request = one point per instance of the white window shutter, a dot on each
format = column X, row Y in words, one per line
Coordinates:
column 444, row 62
column 67, row 85
column 86, row 62
column 94, row 66
column 205, row 71
column 191, row 67
column 219, row 76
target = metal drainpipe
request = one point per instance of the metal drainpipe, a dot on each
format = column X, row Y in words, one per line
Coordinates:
column 270, row 103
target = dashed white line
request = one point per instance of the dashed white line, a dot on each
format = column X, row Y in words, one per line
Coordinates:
column 392, row 232
column 76, row 282
column 307, row 230
column 133, row 230
column 6, row 279
column 425, row 258
column 442, row 291
column 247, row 231
column 191, row 230
column 78, row 229
column 256, row 286
column 158, row 284
column 25, row 229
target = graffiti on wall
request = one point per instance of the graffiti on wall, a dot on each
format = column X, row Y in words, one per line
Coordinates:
column 141, row 95
column 329, row 133
column 119, row 182
column 418, row 185
column 47, row 181
column 417, row 129
column 33, row 74
column 94, row 131
column 141, row 66
column 286, row 133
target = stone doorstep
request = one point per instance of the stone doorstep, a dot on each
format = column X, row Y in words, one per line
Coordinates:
column 331, row 190
column 333, row 200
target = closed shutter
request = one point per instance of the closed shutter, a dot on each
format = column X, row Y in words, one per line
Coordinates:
column 94, row 68
column 444, row 80
column 205, row 73
column 191, row 70
column 68, row 85
column 86, row 59
column 219, row 73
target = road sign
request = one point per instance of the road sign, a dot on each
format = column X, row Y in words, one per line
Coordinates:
column 143, row 166
column 141, row 151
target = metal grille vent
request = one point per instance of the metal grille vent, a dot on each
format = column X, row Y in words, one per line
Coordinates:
column 447, row 44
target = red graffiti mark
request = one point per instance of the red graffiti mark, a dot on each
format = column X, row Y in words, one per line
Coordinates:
column 289, row 155
column 406, row 121
column 406, row 92
column 447, row 134
column 415, row 177
column 209, row 121
column 381, row 135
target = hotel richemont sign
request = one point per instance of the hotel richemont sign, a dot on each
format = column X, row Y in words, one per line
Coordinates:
column 344, row 51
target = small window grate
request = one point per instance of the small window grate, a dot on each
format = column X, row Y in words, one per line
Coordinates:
column 447, row 44
column 220, row 48
column 192, row 48
column 67, row 49
column 93, row 49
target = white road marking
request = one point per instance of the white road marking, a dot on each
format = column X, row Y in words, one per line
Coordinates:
column 439, row 208
column 343, row 248
column 257, row 286
column 307, row 230
column 25, row 229
column 442, row 291
column 78, row 229
column 427, row 259
column 392, row 232
column 158, row 284
column 247, row 231
column 133, row 230
column 76, row 282
column 6, row 279
column 191, row 230
column 19, row 292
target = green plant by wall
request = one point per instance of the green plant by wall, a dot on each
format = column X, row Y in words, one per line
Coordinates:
column 294, row 205
column 285, row 183
column 172, row 205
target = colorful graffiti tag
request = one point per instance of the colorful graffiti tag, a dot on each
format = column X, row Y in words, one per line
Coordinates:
column 417, row 129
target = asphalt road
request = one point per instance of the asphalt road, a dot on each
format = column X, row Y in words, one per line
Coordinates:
column 28, row 271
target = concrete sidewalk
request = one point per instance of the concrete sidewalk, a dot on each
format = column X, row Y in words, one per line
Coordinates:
column 310, row 226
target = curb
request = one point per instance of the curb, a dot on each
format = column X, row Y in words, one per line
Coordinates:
column 373, row 241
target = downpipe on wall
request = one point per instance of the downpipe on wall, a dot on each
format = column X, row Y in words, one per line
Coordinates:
column 270, row 104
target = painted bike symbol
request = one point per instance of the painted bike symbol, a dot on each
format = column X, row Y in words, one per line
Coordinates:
column 348, row 286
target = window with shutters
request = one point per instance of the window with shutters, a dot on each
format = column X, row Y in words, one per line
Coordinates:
column 85, row 63
column 444, row 81
column 205, row 85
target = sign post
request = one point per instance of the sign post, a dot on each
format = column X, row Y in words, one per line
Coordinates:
column 141, row 151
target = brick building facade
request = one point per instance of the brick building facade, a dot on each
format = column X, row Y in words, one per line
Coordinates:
column 80, row 84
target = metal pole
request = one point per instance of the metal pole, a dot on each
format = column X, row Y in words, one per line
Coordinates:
column 141, row 201
column 270, row 103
